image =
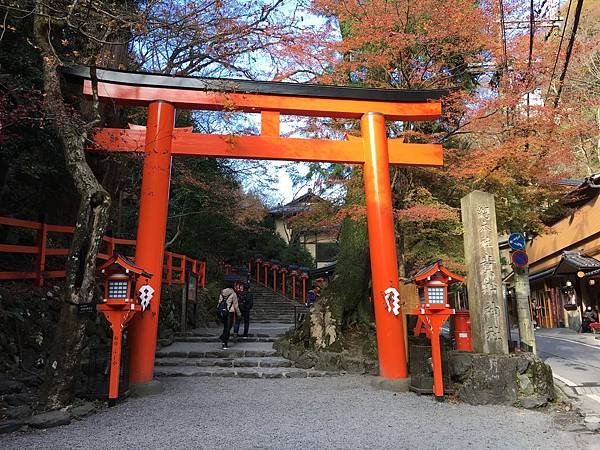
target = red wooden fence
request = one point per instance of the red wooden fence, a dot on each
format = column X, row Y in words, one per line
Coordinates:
column 175, row 265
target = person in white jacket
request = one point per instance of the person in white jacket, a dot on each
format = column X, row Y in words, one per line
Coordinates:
column 228, row 308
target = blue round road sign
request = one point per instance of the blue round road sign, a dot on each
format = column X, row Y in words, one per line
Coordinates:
column 516, row 241
column 519, row 258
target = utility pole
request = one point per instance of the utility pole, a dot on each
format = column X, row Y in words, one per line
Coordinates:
column 522, row 292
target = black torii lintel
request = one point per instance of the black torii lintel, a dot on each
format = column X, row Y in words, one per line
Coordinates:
column 256, row 87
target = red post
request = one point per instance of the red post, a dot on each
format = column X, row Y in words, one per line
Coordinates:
column 152, row 223
column 436, row 320
column 304, row 290
column 274, row 279
column 283, row 282
column 293, row 285
column 203, row 273
column 436, row 357
column 257, row 272
column 182, row 269
column 42, row 239
column 382, row 245
column 169, row 268
column 266, row 276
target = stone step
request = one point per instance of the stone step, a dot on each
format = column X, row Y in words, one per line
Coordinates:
column 273, row 305
column 282, row 309
column 216, row 339
column 268, row 361
column 241, row 372
column 231, row 352
column 275, row 300
column 202, row 334
column 274, row 310
column 271, row 317
column 270, row 309
column 267, row 321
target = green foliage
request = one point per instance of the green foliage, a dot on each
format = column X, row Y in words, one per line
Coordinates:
column 347, row 294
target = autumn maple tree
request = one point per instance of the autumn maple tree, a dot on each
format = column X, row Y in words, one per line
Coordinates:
column 503, row 130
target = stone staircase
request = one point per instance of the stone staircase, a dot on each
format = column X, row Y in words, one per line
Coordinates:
column 271, row 307
column 199, row 354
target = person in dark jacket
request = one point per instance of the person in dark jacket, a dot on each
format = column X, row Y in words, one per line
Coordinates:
column 246, row 301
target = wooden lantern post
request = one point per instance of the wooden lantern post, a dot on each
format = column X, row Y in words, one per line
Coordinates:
column 434, row 310
column 119, row 305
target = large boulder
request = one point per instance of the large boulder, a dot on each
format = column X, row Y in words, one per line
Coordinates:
column 519, row 379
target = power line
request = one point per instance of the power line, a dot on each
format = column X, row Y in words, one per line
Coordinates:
column 569, row 50
column 562, row 37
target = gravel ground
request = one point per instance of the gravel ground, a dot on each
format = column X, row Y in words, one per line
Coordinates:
column 338, row 412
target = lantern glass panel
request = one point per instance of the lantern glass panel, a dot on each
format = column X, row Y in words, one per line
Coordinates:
column 435, row 295
column 117, row 288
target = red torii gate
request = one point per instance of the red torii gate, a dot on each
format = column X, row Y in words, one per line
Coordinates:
column 159, row 141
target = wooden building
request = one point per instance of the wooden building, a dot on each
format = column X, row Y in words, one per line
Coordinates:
column 564, row 263
column 320, row 242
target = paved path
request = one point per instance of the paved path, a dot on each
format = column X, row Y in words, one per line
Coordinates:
column 575, row 362
column 326, row 413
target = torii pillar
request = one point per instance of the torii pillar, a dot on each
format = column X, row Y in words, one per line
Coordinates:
column 382, row 247
column 150, row 241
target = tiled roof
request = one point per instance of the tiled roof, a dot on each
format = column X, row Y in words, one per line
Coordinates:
column 586, row 191
column 581, row 261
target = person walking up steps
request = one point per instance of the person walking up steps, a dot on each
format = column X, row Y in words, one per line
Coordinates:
column 227, row 308
column 246, row 301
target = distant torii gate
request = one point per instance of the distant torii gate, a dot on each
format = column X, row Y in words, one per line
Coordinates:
column 159, row 140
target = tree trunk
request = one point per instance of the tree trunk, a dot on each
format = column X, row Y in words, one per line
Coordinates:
column 63, row 365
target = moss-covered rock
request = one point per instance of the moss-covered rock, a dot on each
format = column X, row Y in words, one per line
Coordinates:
column 350, row 357
column 519, row 379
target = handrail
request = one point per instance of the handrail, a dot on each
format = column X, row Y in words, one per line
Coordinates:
column 175, row 274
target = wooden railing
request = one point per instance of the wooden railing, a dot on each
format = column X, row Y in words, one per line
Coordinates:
column 174, row 268
column 290, row 281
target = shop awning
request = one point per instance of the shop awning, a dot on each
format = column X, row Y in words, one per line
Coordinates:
column 543, row 274
column 573, row 262
column 570, row 263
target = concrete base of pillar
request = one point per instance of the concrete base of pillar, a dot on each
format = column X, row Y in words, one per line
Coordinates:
column 391, row 384
column 145, row 389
